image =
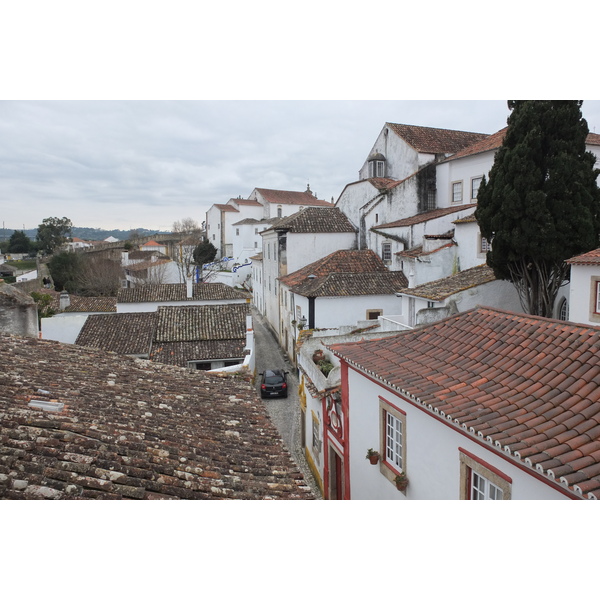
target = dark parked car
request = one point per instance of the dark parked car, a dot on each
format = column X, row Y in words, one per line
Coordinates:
column 273, row 383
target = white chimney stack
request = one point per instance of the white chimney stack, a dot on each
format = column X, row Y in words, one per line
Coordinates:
column 189, row 287
column 64, row 300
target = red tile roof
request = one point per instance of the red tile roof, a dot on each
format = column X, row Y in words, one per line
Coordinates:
column 589, row 258
column 426, row 216
column 341, row 261
column 226, row 208
column 296, row 198
column 529, row 386
column 431, row 140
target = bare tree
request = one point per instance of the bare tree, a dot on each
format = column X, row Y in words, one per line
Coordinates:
column 99, row 276
column 191, row 235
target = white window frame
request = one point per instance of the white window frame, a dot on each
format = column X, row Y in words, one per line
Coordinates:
column 481, row 480
column 392, row 441
column 457, row 192
column 386, row 252
column 475, row 190
column 597, row 311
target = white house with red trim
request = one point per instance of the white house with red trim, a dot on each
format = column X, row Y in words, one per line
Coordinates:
column 583, row 304
column 485, row 404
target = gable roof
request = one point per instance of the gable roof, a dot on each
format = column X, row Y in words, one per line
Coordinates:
column 441, row 289
column 352, row 284
column 295, row 198
column 494, row 141
column 425, row 216
column 341, row 261
column 431, row 140
column 315, row 220
column 588, row 258
column 527, row 386
column 132, row 428
column 177, row 292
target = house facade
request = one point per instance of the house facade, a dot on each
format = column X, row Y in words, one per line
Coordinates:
column 485, row 404
column 292, row 243
column 262, row 204
column 583, row 302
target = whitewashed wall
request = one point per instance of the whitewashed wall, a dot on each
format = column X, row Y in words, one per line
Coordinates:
column 348, row 310
column 582, row 294
column 432, row 455
column 461, row 169
column 64, row 327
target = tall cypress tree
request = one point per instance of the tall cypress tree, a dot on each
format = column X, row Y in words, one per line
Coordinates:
column 541, row 204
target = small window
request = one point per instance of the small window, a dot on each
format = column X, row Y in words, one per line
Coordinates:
column 256, row 231
column 279, row 211
column 373, row 314
column 484, row 245
column 597, row 297
column 386, row 252
column 482, row 481
column 475, row 183
column 392, row 440
column 457, row 192
column 237, row 231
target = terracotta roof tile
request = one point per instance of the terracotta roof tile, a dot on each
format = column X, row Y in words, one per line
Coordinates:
column 133, row 428
column 177, row 292
column 554, row 421
column 443, row 288
column 316, row 220
column 295, row 198
column 341, row 261
column 426, row 216
column 432, row 140
column 588, row 258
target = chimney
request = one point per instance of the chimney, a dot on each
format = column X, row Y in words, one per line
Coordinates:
column 189, row 287
column 65, row 300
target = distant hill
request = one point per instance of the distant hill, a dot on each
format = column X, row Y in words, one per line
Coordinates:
column 89, row 233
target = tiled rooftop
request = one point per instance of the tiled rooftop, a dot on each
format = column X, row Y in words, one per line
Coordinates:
column 528, row 386
column 431, row 140
column 133, row 429
column 124, row 333
column 210, row 322
column 92, row 304
column 296, row 198
column 341, row 261
column 588, row 258
column 226, row 208
column 426, row 216
column 418, row 251
column 443, row 288
column 316, row 220
column 352, row 284
column 177, row 292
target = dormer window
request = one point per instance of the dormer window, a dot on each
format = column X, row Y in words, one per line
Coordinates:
column 376, row 165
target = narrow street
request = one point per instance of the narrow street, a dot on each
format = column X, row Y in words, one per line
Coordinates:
column 284, row 412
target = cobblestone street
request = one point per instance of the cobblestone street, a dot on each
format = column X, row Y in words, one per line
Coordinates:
column 284, row 412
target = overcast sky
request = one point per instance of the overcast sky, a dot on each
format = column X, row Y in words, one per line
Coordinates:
column 129, row 164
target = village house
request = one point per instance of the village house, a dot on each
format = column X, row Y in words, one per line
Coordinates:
column 261, row 204
column 292, row 243
column 582, row 304
column 485, row 404
column 87, row 424
column 345, row 287
column 208, row 337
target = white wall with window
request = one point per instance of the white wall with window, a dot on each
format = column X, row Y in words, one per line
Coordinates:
column 584, row 294
column 431, row 452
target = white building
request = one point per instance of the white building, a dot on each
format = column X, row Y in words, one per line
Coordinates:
column 485, row 404
column 583, row 302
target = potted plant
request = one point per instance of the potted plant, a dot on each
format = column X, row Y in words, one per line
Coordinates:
column 373, row 456
column 401, row 481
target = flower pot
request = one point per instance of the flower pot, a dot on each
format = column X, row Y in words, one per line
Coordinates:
column 374, row 459
column 402, row 485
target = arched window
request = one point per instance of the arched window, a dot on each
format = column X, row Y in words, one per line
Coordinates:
column 279, row 211
column 563, row 311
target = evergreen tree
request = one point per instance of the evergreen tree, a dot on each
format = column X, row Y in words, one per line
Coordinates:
column 541, row 204
column 19, row 243
column 204, row 253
